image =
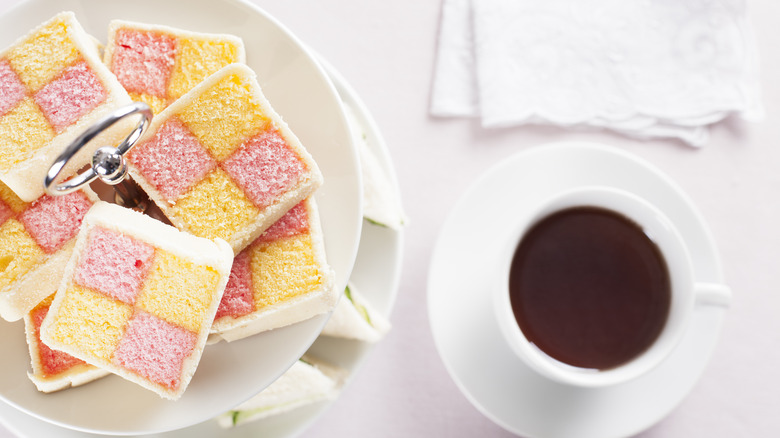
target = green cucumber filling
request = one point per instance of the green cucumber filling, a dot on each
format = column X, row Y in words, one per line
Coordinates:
column 240, row 416
column 361, row 309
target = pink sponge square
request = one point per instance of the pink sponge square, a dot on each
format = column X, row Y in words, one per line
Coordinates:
column 114, row 264
column 11, row 88
column 173, row 160
column 154, row 349
column 5, row 212
column 294, row 222
column 143, row 61
column 75, row 93
column 238, row 299
column 54, row 220
column 265, row 167
column 52, row 361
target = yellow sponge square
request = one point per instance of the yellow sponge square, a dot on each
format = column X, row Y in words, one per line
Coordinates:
column 90, row 322
column 196, row 60
column 284, row 269
column 43, row 55
column 178, row 291
column 11, row 200
column 224, row 116
column 23, row 130
column 215, row 207
column 18, row 252
column 157, row 104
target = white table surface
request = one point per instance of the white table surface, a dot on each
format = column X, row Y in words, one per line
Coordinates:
column 386, row 50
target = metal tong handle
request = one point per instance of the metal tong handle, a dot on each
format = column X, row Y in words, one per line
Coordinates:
column 108, row 162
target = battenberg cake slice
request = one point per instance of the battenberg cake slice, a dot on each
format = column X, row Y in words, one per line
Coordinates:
column 53, row 84
column 158, row 64
column 280, row 279
column 36, row 242
column 138, row 298
column 54, row 370
column 220, row 162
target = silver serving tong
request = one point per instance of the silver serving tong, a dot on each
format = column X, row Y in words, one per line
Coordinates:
column 108, row 162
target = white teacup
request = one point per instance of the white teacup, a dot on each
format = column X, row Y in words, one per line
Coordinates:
column 685, row 291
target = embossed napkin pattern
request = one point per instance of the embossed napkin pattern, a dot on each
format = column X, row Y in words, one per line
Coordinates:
column 666, row 68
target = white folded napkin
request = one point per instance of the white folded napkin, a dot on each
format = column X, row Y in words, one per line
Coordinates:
column 645, row 68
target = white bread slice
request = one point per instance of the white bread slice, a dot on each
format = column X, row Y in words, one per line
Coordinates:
column 355, row 318
column 24, row 174
column 75, row 374
column 317, row 299
column 381, row 202
column 307, row 381
column 28, row 289
column 61, row 330
column 266, row 215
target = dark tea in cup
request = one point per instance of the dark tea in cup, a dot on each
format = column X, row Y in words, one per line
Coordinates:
column 589, row 287
column 595, row 287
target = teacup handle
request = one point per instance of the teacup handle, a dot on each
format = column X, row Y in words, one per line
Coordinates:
column 712, row 294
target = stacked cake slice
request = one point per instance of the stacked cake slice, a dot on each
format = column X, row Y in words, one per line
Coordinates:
column 52, row 85
column 36, row 241
column 220, row 162
column 53, row 370
column 158, row 64
column 280, row 279
column 138, row 298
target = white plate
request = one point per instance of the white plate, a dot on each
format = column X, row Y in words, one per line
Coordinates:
column 376, row 274
column 228, row 374
column 468, row 338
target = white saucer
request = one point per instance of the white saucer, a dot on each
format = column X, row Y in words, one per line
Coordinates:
column 487, row 372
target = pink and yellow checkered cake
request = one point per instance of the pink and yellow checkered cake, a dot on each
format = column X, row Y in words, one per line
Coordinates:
column 53, row 370
column 220, row 162
column 52, row 85
column 158, row 64
column 36, row 241
column 138, row 298
column 280, row 279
